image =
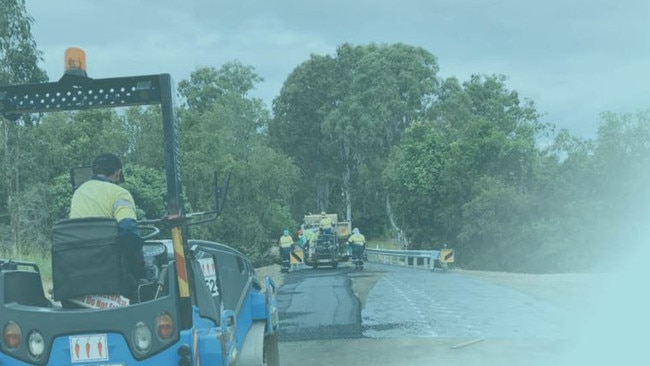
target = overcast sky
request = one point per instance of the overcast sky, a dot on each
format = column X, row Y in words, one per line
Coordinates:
column 573, row 58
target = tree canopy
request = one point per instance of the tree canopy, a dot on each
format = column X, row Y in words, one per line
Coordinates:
column 339, row 118
column 370, row 133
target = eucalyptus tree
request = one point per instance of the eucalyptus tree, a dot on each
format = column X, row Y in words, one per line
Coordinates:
column 464, row 175
column 18, row 50
column 19, row 59
column 390, row 87
column 225, row 129
column 300, row 110
column 340, row 116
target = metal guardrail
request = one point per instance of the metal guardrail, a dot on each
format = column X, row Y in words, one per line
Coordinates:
column 415, row 258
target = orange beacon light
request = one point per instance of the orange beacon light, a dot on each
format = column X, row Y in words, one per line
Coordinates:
column 75, row 62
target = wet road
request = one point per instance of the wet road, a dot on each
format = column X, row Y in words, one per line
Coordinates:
column 445, row 318
column 320, row 304
column 407, row 302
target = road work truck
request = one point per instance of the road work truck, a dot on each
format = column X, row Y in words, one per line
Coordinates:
column 326, row 247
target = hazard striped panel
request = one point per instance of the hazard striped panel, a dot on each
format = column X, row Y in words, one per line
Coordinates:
column 447, row 255
column 179, row 255
column 296, row 256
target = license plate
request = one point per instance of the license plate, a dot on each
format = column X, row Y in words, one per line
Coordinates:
column 209, row 270
column 89, row 348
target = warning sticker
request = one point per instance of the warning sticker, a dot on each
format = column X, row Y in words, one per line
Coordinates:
column 88, row 348
column 101, row 301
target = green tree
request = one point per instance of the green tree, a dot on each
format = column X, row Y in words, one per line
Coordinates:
column 19, row 59
column 592, row 195
column 145, row 137
column 390, row 87
column 622, row 185
column 468, row 170
column 18, row 51
column 566, row 203
column 495, row 219
column 297, row 130
column 72, row 139
column 339, row 117
column 227, row 134
column 62, row 141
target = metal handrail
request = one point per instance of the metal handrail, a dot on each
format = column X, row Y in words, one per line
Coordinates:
column 388, row 256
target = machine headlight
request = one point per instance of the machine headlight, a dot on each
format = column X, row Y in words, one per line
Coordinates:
column 36, row 344
column 12, row 335
column 142, row 337
column 165, row 325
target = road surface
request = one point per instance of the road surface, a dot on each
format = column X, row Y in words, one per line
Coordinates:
column 391, row 315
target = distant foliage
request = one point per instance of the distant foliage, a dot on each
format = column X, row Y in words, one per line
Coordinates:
column 370, row 133
column 474, row 176
column 19, row 58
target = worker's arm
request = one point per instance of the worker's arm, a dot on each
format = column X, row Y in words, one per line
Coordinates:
column 124, row 213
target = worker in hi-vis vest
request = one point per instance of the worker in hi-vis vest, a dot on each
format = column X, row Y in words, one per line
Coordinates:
column 286, row 242
column 358, row 243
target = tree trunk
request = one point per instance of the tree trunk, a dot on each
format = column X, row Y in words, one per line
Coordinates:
column 346, row 177
column 401, row 236
column 11, row 187
column 322, row 195
column 347, row 193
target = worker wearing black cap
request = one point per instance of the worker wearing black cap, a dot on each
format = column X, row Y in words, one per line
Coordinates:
column 102, row 196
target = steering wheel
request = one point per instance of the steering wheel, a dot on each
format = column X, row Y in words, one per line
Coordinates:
column 151, row 230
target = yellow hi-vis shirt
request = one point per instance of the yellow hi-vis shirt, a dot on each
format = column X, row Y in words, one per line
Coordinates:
column 357, row 239
column 310, row 235
column 285, row 241
column 325, row 223
column 97, row 198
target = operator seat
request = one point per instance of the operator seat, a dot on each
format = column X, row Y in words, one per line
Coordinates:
column 23, row 287
column 87, row 259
